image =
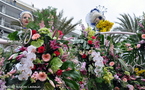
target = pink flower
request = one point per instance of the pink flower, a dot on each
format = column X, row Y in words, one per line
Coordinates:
column 51, row 82
column 58, row 80
column 143, row 80
column 111, row 63
column 54, row 45
column 129, row 49
column 35, row 36
column 42, row 76
column 93, row 37
column 35, row 75
column 130, row 87
column 19, row 57
column 143, row 36
column 127, row 44
column 12, row 72
column 124, row 79
column 46, row 57
column 50, row 70
column 138, row 46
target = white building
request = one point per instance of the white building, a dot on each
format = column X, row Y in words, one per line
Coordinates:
column 9, row 11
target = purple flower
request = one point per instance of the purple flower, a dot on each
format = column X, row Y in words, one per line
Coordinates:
column 83, row 27
column 142, row 41
column 23, row 48
column 96, row 44
column 19, row 57
column 84, row 72
column 53, row 44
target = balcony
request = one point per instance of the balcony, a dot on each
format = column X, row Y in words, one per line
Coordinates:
column 21, row 5
column 8, row 26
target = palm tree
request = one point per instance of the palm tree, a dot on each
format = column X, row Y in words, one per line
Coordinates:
column 64, row 24
column 130, row 24
column 52, row 20
column 127, row 23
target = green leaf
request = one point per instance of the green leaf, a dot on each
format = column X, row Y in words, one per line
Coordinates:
column 64, row 41
column 72, row 73
column 37, row 43
column 48, row 86
column 123, row 64
column 55, row 63
column 67, row 64
column 13, row 36
column 72, row 84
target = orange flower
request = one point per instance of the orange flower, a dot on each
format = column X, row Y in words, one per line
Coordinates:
column 46, row 57
column 42, row 76
column 35, row 36
column 143, row 36
column 111, row 63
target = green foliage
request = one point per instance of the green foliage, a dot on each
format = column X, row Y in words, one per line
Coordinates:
column 56, row 63
column 37, row 43
column 72, row 84
column 48, row 86
column 13, row 36
column 68, row 64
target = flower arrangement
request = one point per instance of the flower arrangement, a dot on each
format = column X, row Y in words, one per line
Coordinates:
column 46, row 61
column 104, row 25
column 106, row 65
column 41, row 63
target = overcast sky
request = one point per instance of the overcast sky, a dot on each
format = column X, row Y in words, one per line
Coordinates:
column 80, row 8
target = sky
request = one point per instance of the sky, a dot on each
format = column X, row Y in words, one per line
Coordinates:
column 78, row 9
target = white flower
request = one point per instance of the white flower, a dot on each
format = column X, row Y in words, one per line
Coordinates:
column 97, row 58
column 31, row 56
column 31, row 49
column 23, row 76
column 98, row 63
column 95, row 54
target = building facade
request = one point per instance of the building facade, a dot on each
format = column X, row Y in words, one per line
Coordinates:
column 9, row 13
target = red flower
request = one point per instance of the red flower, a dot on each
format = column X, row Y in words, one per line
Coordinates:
column 34, row 67
column 84, row 56
column 60, row 32
column 57, row 53
column 90, row 42
column 41, row 49
column 59, row 72
column 34, row 32
column 93, row 37
column 80, row 82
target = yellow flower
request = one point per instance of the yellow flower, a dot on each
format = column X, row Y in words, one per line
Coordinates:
column 90, row 32
column 104, row 25
column 136, row 69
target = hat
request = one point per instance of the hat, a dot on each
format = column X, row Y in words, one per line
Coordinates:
column 28, row 12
